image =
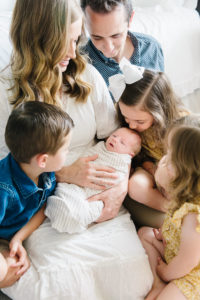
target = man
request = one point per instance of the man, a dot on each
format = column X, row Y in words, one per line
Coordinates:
column 107, row 22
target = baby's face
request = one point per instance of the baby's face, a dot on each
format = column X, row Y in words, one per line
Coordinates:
column 124, row 141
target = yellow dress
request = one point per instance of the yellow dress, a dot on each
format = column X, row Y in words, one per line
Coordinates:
column 171, row 230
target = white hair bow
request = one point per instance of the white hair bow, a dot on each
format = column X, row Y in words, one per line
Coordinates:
column 130, row 74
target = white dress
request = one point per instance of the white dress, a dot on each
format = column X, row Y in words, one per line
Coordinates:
column 105, row 262
column 68, row 208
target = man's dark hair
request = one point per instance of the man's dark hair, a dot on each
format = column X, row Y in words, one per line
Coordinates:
column 36, row 127
column 106, row 6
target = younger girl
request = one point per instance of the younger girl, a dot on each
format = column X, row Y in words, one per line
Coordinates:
column 174, row 251
column 148, row 106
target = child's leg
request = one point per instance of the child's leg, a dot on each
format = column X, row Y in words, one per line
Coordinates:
column 171, row 291
column 142, row 188
column 3, row 267
column 154, row 249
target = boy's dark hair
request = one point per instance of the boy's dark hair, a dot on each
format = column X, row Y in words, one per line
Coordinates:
column 36, row 127
column 106, row 6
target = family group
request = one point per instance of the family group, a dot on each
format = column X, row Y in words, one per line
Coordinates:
column 93, row 142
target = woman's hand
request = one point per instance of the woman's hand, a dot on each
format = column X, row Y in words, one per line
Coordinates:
column 112, row 199
column 84, row 173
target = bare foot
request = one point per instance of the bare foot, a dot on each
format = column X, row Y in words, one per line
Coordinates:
column 155, row 291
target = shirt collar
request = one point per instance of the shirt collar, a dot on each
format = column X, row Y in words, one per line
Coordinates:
column 25, row 185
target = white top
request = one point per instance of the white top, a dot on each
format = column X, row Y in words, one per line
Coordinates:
column 96, row 116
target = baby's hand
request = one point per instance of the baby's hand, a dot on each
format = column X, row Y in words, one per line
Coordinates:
column 17, row 249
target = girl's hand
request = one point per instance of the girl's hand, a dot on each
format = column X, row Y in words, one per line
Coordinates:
column 158, row 235
column 161, row 269
column 149, row 167
column 17, row 249
column 112, row 199
column 84, row 173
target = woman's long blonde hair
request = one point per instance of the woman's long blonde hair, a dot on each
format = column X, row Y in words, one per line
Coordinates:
column 40, row 33
column 184, row 141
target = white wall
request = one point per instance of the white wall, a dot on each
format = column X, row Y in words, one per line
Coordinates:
column 6, row 5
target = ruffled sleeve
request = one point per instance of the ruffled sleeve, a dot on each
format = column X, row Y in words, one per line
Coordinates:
column 184, row 210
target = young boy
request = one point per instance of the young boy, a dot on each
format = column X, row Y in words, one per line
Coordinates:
column 68, row 209
column 37, row 135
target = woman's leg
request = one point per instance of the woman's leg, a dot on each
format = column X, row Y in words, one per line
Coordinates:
column 154, row 248
column 172, row 292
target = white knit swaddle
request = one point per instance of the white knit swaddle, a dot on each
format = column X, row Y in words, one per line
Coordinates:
column 68, row 209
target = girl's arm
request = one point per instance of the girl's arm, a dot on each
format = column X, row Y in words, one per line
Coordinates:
column 188, row 256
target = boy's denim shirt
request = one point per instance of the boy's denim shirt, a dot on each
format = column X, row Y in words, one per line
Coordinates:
column 20, row 197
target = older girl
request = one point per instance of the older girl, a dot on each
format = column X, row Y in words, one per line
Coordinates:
column 148, row 105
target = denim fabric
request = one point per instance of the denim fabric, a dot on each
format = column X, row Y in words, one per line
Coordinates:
column 147, row 53
column 20, row 197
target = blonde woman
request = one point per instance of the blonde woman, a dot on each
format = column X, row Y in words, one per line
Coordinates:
column 46, row 66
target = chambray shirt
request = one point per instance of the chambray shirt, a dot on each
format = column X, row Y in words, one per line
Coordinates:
column 20, row 197
column 147, row 53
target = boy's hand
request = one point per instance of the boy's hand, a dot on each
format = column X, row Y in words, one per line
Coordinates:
column 17, row 249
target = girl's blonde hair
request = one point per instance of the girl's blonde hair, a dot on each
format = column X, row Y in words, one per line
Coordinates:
column 40, row 33
column 184, row 143
column 154, row 94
